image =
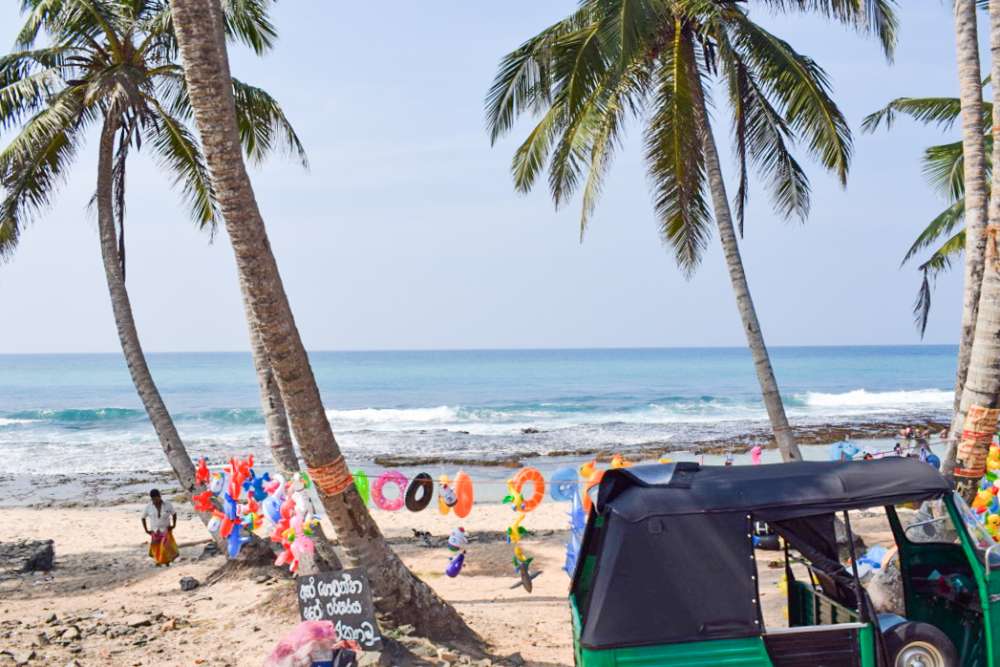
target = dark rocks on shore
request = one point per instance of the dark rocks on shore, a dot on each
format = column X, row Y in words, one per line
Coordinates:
column 189, row 583
column 27, row 556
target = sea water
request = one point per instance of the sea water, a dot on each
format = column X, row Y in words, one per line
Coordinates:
column 68, row 414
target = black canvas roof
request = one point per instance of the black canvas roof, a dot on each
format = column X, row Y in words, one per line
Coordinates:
column 769, row 491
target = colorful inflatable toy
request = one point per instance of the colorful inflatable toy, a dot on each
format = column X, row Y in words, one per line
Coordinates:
column 398, row 480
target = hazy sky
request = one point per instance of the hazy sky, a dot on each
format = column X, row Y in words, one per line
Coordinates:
column 406, row 231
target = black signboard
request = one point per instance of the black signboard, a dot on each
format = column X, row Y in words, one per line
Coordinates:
column 345, row 598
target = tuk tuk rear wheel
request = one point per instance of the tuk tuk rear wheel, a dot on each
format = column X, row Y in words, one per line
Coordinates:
column 919, row 645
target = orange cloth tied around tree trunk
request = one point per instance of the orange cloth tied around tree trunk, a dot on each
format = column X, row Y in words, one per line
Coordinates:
column 333, row 478
column 977, row 434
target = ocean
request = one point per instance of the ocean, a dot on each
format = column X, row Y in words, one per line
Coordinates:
column 71, row 414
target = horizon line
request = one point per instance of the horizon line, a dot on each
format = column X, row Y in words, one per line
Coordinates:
column 501, row 349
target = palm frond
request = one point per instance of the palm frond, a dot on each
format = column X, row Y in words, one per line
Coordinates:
column 942, row 224
column 263, row 125
column 523, row 82
column 675, row 154
column 180, row 153
column 875, row 17
column 939, row 261
column 36, row 161
column 943, row 111
column 944, row 168
column 761, row 134
column 799, row 89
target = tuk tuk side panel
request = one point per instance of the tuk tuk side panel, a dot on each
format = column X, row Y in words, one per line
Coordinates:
column 989, row 590
column 806, row 606
column 744, row 652
column 866, row 642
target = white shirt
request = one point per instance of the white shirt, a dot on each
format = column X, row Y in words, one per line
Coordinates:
column 158, row 522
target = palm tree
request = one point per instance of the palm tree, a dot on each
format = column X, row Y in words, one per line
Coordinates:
column 613, row 60
column 112, row 64
column 955, row 167
column 200, row 26
column 982, row 382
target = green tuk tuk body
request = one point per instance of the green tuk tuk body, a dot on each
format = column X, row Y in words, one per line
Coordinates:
column 666, row 574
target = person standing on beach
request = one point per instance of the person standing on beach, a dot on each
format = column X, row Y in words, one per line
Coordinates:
column 162, row 519
column 755, row 453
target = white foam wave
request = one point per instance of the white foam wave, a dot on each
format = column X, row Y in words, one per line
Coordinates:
column 441, row 414
column 881, row 400
column 7, row 421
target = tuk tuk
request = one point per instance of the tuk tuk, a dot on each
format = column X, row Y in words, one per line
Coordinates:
column 667, row 575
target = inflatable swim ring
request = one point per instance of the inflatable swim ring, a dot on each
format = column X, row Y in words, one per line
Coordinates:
column 362, row 484
column 389, row 477
column 525, row 475
column 464, row 495
column 418, row 495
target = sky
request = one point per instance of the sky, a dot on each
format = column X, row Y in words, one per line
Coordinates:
column 406, row 233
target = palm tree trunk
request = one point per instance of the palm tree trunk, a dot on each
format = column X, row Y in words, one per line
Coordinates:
column 170, row 441
column 404, row 598
column 974, row 153
column 279, row 437
column 744, row 302
column 982, row 382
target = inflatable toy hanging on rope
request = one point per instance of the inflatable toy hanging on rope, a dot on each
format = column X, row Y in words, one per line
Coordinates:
column 395, row 478
column 515, row 532
column 457, row 542
column 457, row 496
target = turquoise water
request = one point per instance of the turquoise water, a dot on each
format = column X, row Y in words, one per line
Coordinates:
column 79, row 413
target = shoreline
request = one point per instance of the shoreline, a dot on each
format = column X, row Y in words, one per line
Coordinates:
column 57, row 490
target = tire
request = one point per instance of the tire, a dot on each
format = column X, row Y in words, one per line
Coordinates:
column 914, row 644
column 768, row 542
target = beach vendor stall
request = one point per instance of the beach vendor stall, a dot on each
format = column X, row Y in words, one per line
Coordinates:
column 667, row 574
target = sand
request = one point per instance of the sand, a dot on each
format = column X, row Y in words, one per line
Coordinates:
column 106, row 604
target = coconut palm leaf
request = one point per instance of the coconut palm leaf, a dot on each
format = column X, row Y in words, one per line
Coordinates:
column 36, row 162
column 942, row 224
column 876, row 17
column 800, row 89
column 674, row 154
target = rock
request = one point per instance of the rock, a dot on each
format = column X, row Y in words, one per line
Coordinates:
column 209, row 551
column 27, row 556
column 72, row 633
column 841, row 530
column 72, row 663
column 169, row 625
column 262, row 578
column 189, row 583
column 138, row 621
column 22, row 657
column 886, row 589
column 51, row 618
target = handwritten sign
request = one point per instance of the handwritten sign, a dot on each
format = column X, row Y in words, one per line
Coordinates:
column 345, row 598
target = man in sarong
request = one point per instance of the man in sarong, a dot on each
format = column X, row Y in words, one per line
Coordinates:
column 159, row 520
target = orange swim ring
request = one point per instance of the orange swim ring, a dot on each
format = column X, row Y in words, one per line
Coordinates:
column 525, row 475
column 464, row 492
